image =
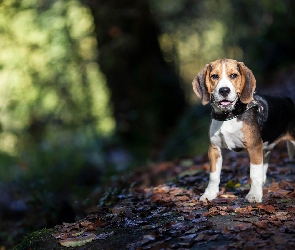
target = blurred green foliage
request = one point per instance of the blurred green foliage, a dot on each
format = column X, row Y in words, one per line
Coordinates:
column 53, row 99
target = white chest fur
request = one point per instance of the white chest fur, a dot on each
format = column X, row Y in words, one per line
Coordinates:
column 227, row 134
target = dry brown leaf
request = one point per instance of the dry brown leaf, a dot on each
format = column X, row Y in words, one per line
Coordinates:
column 291, row 209
column 183, row 198
column 267, row 208
column 261, row 224
column 228, row 195
column 292, row 194
column 280, row 216
column 288, row 185
column 162, row 197
column 99, row 223
column 280, row 193
column 243, row 210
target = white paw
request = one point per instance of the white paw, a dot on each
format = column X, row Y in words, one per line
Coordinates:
column 254, row 197
column 209, row 196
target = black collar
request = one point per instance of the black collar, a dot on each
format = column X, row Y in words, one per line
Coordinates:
column 239, row 109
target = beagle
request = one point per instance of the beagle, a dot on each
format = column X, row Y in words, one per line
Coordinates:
column 242, row 120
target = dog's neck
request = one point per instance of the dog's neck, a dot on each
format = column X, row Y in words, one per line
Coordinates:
column 238, row 109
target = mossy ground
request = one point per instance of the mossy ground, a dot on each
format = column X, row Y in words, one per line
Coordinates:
column 39, row 240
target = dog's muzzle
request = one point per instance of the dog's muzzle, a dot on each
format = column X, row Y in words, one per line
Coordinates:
column 224, row 104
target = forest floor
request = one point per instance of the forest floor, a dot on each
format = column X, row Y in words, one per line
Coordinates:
column 161, row 210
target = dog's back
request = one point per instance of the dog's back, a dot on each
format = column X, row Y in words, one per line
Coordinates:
column 277, row 117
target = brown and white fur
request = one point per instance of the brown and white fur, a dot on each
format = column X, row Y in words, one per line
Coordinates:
column 224, row 83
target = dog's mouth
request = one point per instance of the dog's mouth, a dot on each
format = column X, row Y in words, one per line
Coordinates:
column 225, row 103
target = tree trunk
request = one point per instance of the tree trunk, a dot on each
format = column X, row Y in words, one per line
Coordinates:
column 145, row 91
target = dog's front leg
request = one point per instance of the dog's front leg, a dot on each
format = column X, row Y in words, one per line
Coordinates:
column 215, row 158
column 257, row 174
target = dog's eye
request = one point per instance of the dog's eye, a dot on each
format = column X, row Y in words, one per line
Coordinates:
column 233, row 76
column 215, row 77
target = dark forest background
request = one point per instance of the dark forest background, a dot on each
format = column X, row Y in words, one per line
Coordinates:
column 89, row 90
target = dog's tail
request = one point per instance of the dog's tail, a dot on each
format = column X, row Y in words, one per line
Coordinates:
column 291, row 149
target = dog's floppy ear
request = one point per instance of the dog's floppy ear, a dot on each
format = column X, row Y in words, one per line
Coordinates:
column 200, row 87
column 248, row 83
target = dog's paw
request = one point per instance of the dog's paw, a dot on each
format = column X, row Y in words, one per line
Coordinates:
column 254, row 197
column 209, row 196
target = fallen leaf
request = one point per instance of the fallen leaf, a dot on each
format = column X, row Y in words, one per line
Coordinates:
column 243, row 210
column 282, row 216
column 288, row 185
column 228, row 195
column 292, row 194
column 267, row 208
column 183, row 198
column 261, row 224
column 291, row 209
column 77, row 241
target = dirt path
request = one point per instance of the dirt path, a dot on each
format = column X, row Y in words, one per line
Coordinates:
column 170, row 215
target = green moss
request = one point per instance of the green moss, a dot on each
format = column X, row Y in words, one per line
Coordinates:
column 37, row 240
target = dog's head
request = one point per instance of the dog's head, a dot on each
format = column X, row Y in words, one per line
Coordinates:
column 224, row 82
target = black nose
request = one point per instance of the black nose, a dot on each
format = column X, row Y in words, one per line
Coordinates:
column 224, row 91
